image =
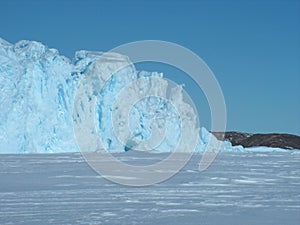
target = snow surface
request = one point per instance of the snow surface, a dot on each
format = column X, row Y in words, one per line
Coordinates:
column 248, row 188
column 38, row 87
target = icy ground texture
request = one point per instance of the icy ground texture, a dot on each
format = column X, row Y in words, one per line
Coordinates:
column 237, row 189
column 38, row 88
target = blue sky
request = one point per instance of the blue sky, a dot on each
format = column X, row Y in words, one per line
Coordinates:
column 253, row 47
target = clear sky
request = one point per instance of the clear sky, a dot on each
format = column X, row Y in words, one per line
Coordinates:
column 253, row 47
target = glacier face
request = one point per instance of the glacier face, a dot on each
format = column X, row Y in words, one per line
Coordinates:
column 36, row 98
column 38, row 88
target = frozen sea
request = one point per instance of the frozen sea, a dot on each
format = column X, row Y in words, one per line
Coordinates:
column 238, row 188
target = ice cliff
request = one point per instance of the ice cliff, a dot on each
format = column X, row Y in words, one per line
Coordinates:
column 37, row 92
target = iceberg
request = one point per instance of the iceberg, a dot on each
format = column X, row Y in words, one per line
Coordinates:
column 39, row 108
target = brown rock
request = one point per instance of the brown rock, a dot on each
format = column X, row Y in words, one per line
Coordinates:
column 285, row 141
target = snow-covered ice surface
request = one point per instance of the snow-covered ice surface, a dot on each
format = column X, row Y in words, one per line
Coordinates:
column 238, row 188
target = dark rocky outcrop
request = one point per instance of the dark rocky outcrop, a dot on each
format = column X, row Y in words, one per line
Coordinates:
column 285, row 141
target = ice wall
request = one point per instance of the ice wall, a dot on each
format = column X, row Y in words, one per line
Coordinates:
column 36, row 98
column 38, row 87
